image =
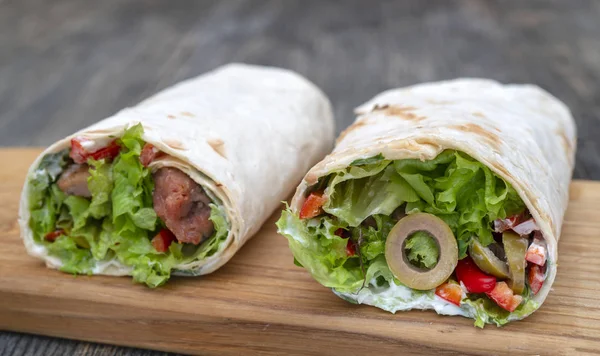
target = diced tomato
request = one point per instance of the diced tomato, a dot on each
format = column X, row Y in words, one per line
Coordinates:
column 536, row 278
column 162, row 240
column 536, row 253
column 504, row 297
column 473, row 278
column 451, row 292
column 78, row 152
column 313, row 205
column 80, row 155
column 109, row 152
column 350, row 248
column 51, row 236
column 149, row 154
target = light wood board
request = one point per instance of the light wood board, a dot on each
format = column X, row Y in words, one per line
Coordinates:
column 261, row 303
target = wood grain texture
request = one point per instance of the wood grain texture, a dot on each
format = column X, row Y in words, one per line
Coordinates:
column 65, row 64
column 260, row 303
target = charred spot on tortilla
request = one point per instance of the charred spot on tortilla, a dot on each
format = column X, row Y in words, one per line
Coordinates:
column 170, row 116
column 488, row 136
column 382, row 107
column 188, row 114
column 479, row 114
column 174, row 144
column 439, row 102
column 218, row 145
column 566, row 144
column 350, row 128
column 399, row 111
column 500, row 168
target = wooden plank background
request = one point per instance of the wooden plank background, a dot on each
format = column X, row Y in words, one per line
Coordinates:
column 65, row 64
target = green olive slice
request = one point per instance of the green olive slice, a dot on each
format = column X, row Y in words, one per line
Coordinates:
column 395, row 254
column 487, row 261
column 515, row 248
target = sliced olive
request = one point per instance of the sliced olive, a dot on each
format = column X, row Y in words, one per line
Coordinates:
column 410, row 275
column 515, row 248
column 487, row 261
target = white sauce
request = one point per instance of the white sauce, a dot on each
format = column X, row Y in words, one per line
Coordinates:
column 399, row 298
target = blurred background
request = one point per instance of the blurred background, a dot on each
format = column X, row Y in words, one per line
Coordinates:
column 66, row 64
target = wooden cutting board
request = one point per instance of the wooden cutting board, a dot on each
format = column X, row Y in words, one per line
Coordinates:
column 261, row 303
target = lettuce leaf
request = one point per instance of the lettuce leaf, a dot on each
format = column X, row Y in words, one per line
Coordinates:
column 421, row 250
column 486, row 311
column 319, row 250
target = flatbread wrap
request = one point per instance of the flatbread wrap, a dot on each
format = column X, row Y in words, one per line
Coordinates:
column 178, row 183
column 447, row 196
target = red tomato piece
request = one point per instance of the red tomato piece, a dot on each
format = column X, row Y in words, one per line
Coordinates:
column 149, row 154
column 350, row 248
column 473, row 278
column 109, row 152
column 313, row 205
column 536, row 278
column 504, row 297
column 78, row 152
column 536, row 253
column 52, row 236
column 450, row 292
column 163, row 240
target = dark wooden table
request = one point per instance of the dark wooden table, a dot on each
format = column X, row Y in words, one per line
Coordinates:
column 67, row 64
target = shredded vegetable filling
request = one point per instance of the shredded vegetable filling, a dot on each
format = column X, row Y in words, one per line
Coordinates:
column 90, row 208
column 470, row 249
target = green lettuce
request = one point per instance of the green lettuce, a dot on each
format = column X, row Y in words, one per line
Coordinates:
column 453, row 186
column 118, row 222
column 422, row 250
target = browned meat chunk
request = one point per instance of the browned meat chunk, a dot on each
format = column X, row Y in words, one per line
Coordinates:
column 73, row 180
column 183, row 205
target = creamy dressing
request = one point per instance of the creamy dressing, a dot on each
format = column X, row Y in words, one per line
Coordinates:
column 93, row 145
column 400, row 298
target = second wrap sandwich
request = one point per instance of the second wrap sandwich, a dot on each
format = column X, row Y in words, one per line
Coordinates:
column 179, row 182
column 446, row 196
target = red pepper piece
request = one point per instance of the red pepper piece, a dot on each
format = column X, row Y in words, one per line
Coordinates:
column 450, row 292
column 313, row 205
column 52, row 236
column 163, row 240
column 473, row 278
column 536, row 278
column 109, row 152
column 504, row 297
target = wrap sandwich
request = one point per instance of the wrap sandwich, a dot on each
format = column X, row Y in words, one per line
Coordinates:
column 178, row 183
column 447, row 196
